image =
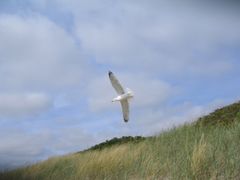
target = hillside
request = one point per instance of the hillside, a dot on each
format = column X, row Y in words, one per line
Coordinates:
column 206, row 149
column 116, row 141
column 222, row 116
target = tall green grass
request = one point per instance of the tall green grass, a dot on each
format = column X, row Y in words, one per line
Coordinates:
column 194, row 151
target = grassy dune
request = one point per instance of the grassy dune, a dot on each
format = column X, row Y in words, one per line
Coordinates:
column 195, row 151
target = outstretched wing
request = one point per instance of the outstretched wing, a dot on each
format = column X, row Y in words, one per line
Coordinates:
column 115, row 83
column 125, row 110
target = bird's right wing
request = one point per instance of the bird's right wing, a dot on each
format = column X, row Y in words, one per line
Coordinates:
column 125, row 110
column 115, row 83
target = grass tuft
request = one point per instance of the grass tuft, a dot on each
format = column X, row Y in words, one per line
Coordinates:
column 199, row 162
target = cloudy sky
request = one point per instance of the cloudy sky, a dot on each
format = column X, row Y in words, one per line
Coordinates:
column 180, row 58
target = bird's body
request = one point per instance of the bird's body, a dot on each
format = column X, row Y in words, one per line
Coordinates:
column 123, row 96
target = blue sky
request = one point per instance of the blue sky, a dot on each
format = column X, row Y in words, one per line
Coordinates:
column 180, row 59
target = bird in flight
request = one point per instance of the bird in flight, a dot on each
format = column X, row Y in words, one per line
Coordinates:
column 123, row 96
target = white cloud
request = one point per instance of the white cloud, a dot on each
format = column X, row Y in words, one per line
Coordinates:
column 20, row 148
column 159, row 37
column 15, row 105
column 37, row 54
column 153, row 121
column 72, row 139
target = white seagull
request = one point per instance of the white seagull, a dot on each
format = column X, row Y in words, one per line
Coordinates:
column 123, row 95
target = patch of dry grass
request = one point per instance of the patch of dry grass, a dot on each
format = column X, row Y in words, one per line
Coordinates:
column 199, row 162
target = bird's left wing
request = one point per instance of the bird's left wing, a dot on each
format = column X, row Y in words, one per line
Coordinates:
column 125, row 110
column 115, row 83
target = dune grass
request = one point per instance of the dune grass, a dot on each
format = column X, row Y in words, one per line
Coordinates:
column 184, row 153
column 193, row 151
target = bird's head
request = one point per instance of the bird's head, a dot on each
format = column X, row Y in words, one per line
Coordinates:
column 130, row 92
column 115, row 99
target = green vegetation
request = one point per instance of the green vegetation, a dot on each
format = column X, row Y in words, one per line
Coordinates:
column 117, row 141
column 193, row 151
column 224, row 116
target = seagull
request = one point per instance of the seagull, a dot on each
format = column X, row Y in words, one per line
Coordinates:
column 123, row 95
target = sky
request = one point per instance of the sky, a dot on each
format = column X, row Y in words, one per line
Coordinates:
column 181, row 59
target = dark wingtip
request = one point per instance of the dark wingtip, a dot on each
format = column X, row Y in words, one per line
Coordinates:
column 125, row 120
column 109, row 73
